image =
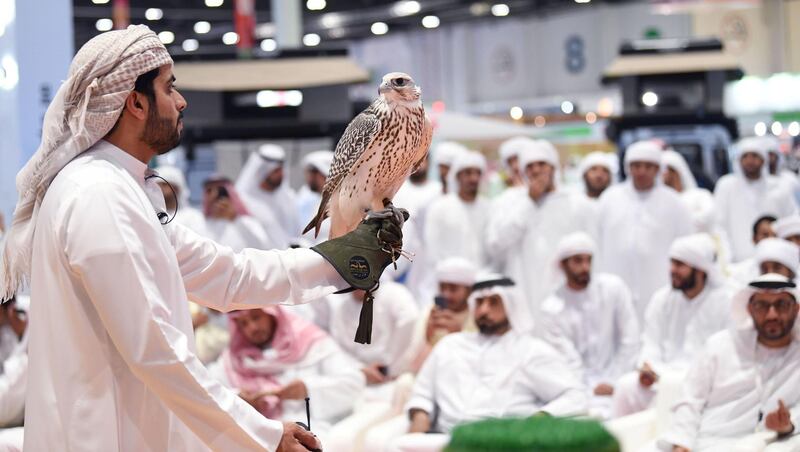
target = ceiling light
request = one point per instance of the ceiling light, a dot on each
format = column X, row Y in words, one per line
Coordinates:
column 479, row 9
column 406, row 8
column 379, row 28
column 315, row 5
column 539, row 121
column 331, row 20
column 500, row 10
column 567, row 107
column 650, row 99
column 100, row 2
column 591, row 117
column 293, row 98
column 311, row 40
column 230, row 38
column 582, row 1
column 153, row 14
column 794, row 128
column 760, row 129
column 269, row 45
column 430, row 21
column 337, row 33
column 777, row 128
column 516, row 113
column 190, row 45
column 202, row 27
column 214, row 3
column 104, row 24
column 166, row 37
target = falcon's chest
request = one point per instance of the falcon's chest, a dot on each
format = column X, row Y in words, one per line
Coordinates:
column 389, row 158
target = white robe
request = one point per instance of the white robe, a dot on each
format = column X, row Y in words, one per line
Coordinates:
column 111, row 351
column 740, row 202
column 595, row 329
column 276, row 211
column 394, row 317
column 192, row 218
column 635, row 231
column 243, row 232
column 333, row 381
column 526, row 234
column 13, row 382
column 470, row 376
column 419, row 273
column 730, row 388
column 455, row 228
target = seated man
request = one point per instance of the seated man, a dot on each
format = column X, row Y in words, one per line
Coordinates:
column 495, row 372
column 591, row 320
column 449, row 312
column 679, row 319
column 773, row 255
column 746, row 379
column 276, row 359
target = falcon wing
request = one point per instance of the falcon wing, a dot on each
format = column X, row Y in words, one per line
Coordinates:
column 355, row 140
column 425, row 143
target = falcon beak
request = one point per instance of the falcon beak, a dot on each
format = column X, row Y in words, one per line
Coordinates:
column 384, row 87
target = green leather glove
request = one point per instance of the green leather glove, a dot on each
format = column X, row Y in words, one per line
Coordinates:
column 361, row 256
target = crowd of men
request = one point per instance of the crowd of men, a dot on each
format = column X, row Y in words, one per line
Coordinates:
column 545, row 298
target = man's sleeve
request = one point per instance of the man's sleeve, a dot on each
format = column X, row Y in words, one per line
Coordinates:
column 217, row 277
column 688, row 412
column 13, row 382
column 423, row 395
column 554, row 385
column 110, row 247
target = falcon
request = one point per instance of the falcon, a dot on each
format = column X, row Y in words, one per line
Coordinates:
column 377, row 152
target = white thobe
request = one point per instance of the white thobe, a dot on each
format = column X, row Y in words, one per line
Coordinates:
column 333, row 381
column 596, row 329
column 635, row 231
column 730, row 388
column 192, row 218
column 393, row 320
column 470, row 376
column 455, row 228
column 111, row 351
column 740, row 202
column 527, row 233
column 417, row 199
column 243, row 232
column 276, row 211
column 13, row 382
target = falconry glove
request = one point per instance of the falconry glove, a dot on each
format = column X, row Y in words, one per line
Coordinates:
column 361, row 256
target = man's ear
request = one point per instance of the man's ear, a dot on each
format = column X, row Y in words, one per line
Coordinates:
column 137, row 105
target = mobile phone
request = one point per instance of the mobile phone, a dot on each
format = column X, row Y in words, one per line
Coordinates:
column 440, row 302
column 222, row 192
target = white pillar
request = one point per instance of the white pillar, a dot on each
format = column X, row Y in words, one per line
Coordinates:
column 287, row 15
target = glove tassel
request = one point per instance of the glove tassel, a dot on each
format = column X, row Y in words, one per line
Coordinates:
column 364, row 330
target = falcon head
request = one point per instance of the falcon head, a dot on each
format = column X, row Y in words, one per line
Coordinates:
column 398, row 86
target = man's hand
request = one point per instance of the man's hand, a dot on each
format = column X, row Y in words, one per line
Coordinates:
column 679, row 449
column 297, row 439
column 223, row 208
column 373, row 374
column 647, row 377
column 199, row 319
column 780, row 420
column 420, row 421
column 251, row 397
column 603, row 389
column 447, row 320
column 295, row 390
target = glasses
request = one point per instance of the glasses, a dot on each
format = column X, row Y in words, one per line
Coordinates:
column 781, row 306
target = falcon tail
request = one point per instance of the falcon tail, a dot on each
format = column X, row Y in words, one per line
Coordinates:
column 322, row 214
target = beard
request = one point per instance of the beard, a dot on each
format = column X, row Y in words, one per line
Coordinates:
column 775, row 329
column 161, row 134
column 488, row 328
column 580, row 279
column 686, row 283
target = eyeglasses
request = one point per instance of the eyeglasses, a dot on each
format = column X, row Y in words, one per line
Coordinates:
column 781, row 306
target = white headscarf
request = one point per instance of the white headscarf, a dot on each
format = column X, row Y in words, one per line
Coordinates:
column 456, row 270
column 677, row 162
column 787, row 226
column 596, row 158
column 750, row 145
column 259, row 165
column 699, row 252
column 643, row 151
column 518, row 313
column 462, row 161
column 446, row 152
column 540, row 151
column 512, row 148
column 769, row 283
column 574, row 244
column 320, row 160
column 85, row 108
column 777, row 250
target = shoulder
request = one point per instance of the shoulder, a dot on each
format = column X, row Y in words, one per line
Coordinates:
column 659, row 298
column 609, row 281
column 552, row 305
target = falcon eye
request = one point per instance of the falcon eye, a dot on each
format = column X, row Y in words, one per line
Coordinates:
column 399, row 81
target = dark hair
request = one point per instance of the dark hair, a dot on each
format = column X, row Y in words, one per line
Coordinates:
column 144, row 84
column 762, row 219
